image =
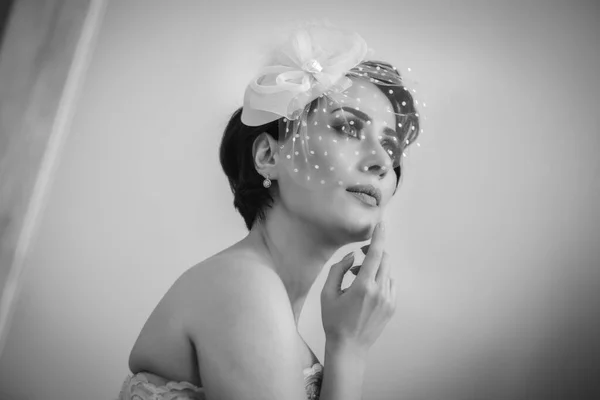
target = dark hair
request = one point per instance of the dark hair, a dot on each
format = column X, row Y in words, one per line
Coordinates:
column 250, row 198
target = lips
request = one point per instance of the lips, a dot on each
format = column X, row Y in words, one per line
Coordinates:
column 366, row 191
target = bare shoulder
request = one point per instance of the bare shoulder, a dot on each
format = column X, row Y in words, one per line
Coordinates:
column 226, row 282
column 240, row 320
column 223, row 292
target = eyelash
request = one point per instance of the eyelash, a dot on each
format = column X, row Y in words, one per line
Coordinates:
column 394, row 146
column 343, row 127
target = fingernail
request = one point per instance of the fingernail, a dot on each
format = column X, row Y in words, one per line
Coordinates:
column 348, row 256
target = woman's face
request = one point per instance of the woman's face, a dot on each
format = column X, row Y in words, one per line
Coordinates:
column 353, row 144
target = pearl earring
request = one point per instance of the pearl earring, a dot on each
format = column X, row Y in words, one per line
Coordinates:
column 267, row 182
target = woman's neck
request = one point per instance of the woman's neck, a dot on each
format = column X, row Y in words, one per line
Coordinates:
column 294, row 249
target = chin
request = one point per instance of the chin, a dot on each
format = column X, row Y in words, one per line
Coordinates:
column 354, row 227
column 345, row 220
column 363, row 230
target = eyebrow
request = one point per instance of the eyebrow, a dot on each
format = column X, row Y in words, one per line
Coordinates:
column 388, row 131
column 354, row 111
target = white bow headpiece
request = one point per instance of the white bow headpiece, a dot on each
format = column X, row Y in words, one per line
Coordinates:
column 313, row 61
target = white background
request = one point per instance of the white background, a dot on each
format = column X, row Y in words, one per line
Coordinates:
column 494, row 232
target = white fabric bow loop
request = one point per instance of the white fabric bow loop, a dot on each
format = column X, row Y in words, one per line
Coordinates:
column 313, row 62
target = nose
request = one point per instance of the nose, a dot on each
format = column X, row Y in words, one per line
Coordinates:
column 377, row 161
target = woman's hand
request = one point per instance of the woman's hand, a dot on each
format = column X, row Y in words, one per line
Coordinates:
column 355, row 317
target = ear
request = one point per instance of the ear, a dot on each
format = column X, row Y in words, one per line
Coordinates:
column 265, row 154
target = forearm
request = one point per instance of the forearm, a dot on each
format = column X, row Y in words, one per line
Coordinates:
column 343, row 373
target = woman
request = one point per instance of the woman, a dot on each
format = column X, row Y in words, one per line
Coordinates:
column 313, row 157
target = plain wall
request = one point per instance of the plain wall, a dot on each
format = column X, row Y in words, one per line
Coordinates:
column 494, row 233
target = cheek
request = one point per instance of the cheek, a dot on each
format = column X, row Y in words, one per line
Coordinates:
column 334, row 154
column 314, row 204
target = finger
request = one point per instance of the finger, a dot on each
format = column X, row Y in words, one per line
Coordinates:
column 373, row 258
column 385, row 288
column 393, row 290
column 384, row 270
column 334, row 280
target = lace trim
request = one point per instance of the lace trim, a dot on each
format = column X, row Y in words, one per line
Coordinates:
column 139, row 387
column 310, row 371
column 312, row 381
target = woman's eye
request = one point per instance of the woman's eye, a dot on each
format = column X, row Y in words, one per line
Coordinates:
column 392, row 148
column 348, row 127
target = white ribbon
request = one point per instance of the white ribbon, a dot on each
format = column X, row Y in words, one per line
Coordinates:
column 314, row 61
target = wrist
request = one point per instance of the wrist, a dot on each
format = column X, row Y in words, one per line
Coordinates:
column 344, row 373
column 346, row 351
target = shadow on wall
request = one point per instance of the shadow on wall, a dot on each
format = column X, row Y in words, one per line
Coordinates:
column 5, row 8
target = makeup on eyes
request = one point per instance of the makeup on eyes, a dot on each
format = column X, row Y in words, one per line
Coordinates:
column 364, row 117
column 354, row 111
column 347, row 126
column 344, row 125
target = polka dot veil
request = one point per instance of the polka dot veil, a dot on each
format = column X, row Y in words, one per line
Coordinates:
column 340, row 116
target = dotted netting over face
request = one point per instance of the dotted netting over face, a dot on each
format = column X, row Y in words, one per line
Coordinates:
column 366, row 127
